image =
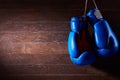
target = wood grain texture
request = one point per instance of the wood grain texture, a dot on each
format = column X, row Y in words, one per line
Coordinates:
column 33, row 40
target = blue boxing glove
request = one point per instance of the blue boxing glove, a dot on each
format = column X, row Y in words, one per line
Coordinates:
column 105, row 39
column 79, row 45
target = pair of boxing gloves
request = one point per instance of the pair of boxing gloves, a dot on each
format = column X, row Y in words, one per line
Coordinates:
column 82, row 48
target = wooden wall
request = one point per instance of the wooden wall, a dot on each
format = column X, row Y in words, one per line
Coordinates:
column 33, row 40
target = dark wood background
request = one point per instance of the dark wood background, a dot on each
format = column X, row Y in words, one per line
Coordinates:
column 33, row 40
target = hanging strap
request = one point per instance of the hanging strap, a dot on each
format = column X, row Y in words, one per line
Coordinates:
column 95, row 4
column 85, row 9
column 86, row 4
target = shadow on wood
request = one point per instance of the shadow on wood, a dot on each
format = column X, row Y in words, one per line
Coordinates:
column 110, row 65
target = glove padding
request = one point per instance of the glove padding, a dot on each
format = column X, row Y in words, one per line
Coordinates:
column 105, row 39
column 79, row 45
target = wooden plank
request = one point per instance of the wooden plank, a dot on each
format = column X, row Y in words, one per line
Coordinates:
column 32, row 47
column 49, row 69
column 33, row 22
column 34, row 26
column 55, row 3
column 37, row 77
column 40, row 36
column 35, row 59
column 56, row 58
column 41, row 15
